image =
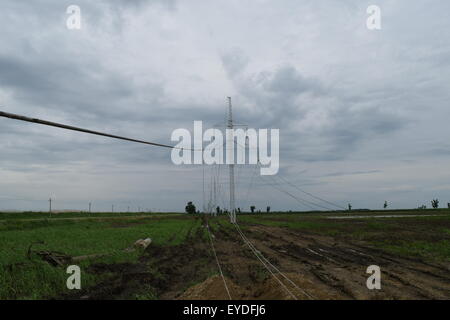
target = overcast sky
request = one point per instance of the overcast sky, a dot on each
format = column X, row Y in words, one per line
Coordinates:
column 364, row 115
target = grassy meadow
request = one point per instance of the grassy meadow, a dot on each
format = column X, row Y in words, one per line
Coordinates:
column 22, row 278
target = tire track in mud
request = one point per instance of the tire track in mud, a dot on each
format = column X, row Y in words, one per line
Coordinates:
column 342, row 266
column 248, row 271
column 238, row 262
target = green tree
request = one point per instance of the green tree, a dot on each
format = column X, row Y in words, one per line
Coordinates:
column 252, row 209
column 435, row 203
column 190, row 208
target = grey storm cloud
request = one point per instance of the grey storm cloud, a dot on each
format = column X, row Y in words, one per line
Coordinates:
column 282, row 96
column 287, row 81
column 351, row 104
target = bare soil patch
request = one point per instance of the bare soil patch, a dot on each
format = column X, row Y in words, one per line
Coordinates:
column 322, row 267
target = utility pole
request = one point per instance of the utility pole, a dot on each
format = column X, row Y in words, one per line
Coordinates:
column 89, row 207
column 230, row 144
column 112, row 208
column 50, row 206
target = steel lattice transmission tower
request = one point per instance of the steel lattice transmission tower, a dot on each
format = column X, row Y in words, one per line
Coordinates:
column 230, row 144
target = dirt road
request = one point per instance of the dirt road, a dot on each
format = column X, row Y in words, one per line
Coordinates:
column 333, row 269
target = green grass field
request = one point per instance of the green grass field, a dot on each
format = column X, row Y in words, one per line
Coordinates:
column 21, row 278
column 4, row 216
column 76, row 234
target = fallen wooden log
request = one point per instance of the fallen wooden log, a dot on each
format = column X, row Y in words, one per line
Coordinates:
column 58, row 259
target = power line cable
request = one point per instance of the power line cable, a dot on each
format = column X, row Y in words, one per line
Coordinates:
column 63, row 126
column 302, row 199
column 255, row 252
column 217, row 260
column 274, row 267
column 311, row 195
column 302, row 202
column 305, row 192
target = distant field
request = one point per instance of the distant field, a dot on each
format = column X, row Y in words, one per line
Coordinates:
column 427, row 236
column 327, row 256
column 47, row 215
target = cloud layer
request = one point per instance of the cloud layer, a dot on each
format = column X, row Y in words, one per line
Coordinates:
column 363, row 115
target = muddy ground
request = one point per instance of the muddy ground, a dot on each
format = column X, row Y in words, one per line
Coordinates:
column 320, row 266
